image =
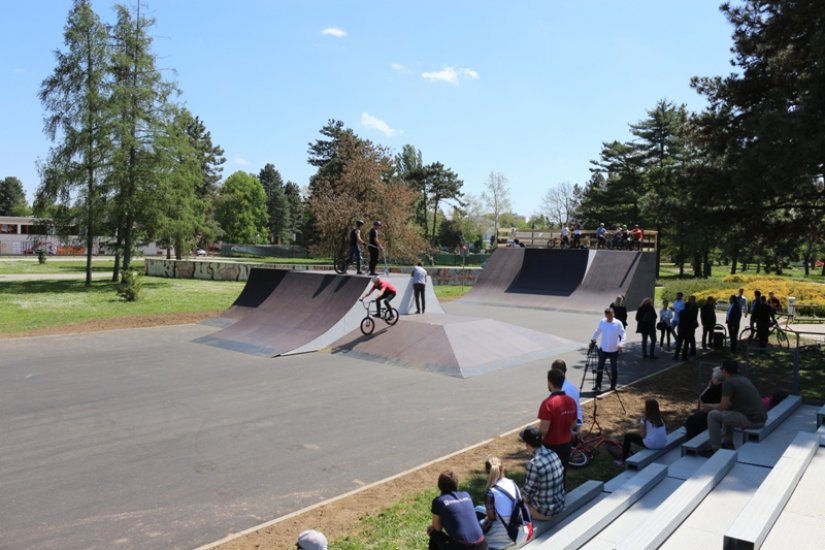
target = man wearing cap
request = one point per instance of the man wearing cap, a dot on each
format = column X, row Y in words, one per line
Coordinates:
column 543, row 489
column 557, row 415
column 741, row 407
column 613, row 336
column 373, row 245
column 311, row 540
column 355, row 242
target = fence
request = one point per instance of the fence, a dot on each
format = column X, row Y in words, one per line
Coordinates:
column 805, row 353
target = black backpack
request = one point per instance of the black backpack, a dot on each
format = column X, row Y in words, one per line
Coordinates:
column 520, row 526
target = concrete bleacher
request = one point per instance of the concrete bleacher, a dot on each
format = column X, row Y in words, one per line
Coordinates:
column 681, row 502
column 639, row 460
column 820, row 417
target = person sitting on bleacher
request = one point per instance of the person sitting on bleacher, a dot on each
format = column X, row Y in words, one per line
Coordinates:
column 741, row 407
column 652, row 432
column 712, row 394
column 543, row 489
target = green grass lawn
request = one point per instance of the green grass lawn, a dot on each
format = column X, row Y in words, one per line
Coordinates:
column 29, row 305
column 30, row 266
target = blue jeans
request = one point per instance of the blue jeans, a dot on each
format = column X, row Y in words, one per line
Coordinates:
column 614, row 371
column 648, row 349
column 355, row 254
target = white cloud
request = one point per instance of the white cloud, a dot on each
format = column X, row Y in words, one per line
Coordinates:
column 399, row 67
column 369, row 121
column 332, row 31
column 240, row 161
column 450, row 75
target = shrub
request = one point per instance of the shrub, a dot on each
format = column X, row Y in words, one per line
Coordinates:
column 41, row 256
column 130, row 285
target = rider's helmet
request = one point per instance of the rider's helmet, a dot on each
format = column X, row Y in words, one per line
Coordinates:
column 359, row 222
column 601, row 225
column 376, row 278
column 377, row 223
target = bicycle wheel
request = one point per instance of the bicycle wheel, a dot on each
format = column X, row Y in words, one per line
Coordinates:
column 367, row 326
column 578, row 458
column 391, row 320
column 747, row 335
column 779, row 338
column 340, row 266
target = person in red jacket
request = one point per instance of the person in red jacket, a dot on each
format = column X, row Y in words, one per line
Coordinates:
column 386, row 292
column 558, row 416
column 636, row 237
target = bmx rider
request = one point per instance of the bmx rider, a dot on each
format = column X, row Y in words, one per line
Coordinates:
column 386, row 291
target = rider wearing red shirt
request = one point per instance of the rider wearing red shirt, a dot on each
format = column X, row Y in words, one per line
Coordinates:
column 386, row 292
column 637, row 236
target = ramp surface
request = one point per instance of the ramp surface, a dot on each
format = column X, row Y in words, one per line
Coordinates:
column 453, row 345
column 569, row 280
column 300, row 309
column 261, row 283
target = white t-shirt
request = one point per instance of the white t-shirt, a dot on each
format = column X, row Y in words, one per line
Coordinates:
column 419, row 275
column 656, row 437
column 612, row 334
column 573, row 392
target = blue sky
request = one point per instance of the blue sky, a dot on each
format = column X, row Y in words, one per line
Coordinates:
column 528, row 89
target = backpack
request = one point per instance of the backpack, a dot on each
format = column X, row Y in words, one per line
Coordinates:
column 520, row 526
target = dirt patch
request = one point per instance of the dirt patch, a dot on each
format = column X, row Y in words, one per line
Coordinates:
column 96, row 325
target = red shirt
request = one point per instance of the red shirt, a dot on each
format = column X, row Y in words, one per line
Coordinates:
column 560, row 410
column 384, row 285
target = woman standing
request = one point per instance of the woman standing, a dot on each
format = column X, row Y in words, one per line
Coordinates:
column 619, row 310
column 652, row 433
column 646, row 326
column 665, row 325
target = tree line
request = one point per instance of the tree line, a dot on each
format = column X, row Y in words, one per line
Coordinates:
column 742, row 180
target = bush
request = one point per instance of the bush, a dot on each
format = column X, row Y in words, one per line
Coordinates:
column 41, row 256
column 129, row 287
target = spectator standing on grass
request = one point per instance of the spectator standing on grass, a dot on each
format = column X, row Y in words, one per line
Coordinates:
column 732, row 319
column 454, row 521
column 419, row 277
column 619, row 310
column 646, row 326
column 652, row 432
column 612, row 333
column 558, row 417
column 708, row 316
column 543, row 489
column 740, row 407
column 665, row 325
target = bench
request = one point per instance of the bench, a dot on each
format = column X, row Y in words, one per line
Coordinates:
column 669, row 515
column 754, row 522
column 588, row 524
column 639, row 460
column 775, row 417
column 696, row 444
column 573, row 500
column 820, row 416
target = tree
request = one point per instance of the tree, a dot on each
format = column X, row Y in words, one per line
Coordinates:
column 440, row 185
column 140, row 101
column 78, row 119
column 241, row 210
column 559, row 203
column 496, row 196
column 295, row 202
column 210, row 160
column 13, row 198
column 277, row 204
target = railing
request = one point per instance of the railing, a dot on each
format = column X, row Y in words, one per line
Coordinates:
column 545, row 238
column 805, row 349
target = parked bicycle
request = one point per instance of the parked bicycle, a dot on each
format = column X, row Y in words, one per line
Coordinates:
column 341, row 264
column 388, row 314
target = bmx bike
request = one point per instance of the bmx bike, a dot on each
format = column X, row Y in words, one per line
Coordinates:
column 586, row 446
column 388, row 314
column 777, row 336
column 342, row 263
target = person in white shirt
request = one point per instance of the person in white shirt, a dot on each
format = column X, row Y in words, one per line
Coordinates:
column 570, row 389
column 613, row 336
column 419, row 277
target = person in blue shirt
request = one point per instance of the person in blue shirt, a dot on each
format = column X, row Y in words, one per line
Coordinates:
column 454, row 522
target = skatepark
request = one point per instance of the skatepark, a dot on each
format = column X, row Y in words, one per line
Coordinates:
column 173, row 437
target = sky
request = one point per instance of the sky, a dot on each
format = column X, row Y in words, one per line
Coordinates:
column 528, row 89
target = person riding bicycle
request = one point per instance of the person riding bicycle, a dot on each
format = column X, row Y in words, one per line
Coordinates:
column 386, row 292
column 355, row 242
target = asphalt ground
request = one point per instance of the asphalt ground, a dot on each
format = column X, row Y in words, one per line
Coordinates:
column 145, row 439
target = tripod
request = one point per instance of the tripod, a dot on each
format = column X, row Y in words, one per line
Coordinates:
column 591, row 365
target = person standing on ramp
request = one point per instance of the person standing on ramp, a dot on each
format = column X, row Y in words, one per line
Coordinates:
column 355, row 242
column 613, row 336
column 419, row 277
column 373, row 245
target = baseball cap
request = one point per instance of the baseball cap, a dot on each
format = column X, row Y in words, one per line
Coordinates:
column 531, row 435
column 312, row 540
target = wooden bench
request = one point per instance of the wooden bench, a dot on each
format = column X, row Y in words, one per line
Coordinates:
column 775, row 417
column 644, row 457
column 755, row 521
column 820, row 416
column 573, row 500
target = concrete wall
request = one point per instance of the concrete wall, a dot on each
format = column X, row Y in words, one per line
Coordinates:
column 227, row 270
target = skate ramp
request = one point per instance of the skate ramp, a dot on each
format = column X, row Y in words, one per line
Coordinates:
column 452, row 345
column 565, row 280
column 304, row 311
column 259, row 285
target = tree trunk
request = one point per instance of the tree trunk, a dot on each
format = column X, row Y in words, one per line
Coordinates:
column 435, row 214
column 681, row 260
column 733, row 261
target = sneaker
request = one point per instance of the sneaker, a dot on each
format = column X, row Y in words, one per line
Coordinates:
column 597, row 388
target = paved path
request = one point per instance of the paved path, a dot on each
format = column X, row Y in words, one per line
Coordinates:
column 143, row 439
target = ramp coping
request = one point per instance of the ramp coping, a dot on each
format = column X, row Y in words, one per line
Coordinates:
column 669, row 515
column 586, row 526
column 751, row 527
